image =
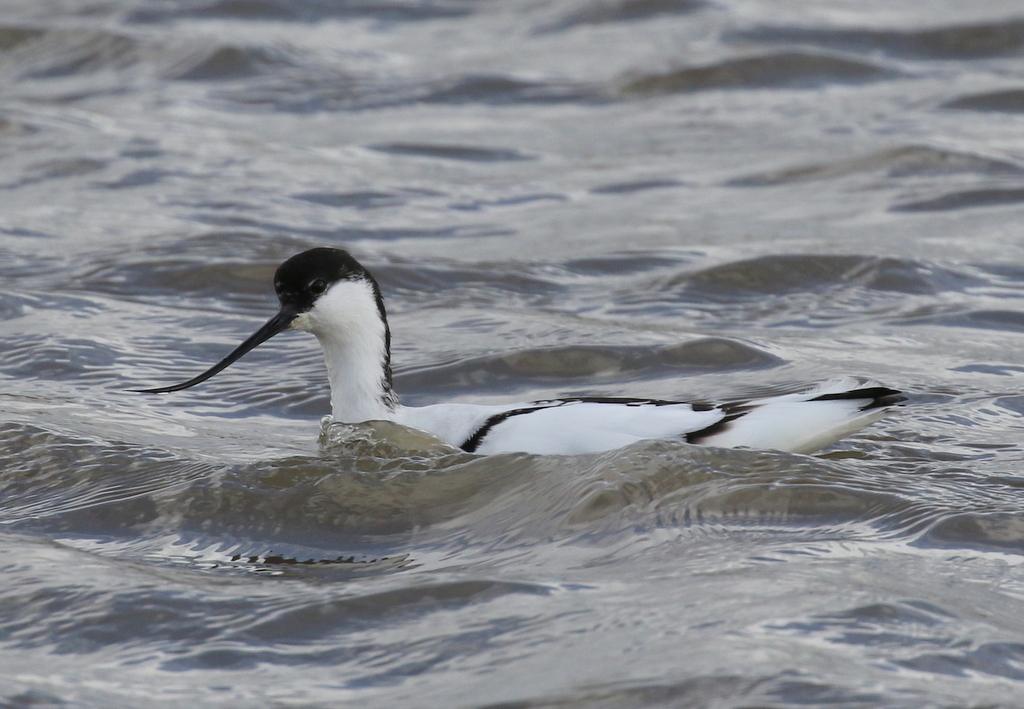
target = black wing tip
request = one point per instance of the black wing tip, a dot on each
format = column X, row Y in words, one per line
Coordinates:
column 879, row 397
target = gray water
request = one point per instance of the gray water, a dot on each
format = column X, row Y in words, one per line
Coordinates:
column 668, row 198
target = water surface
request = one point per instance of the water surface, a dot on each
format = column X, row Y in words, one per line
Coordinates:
column 626, row 198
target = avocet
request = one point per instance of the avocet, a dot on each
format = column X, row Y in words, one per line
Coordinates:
column 326, row 292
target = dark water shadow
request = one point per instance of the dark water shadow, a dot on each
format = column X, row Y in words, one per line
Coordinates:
column 622, row 188
column 899, row 162
column 602, row 12
column 964, row 199
column 228, row 63
column 581, row 365
column 785, row 70
column 968, row 41
column 498, row 90
column 1006, row 101
column 451, row 152
column 782, row 274
column 309, row 11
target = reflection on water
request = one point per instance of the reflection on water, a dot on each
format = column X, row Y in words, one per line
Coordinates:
column 645, row 198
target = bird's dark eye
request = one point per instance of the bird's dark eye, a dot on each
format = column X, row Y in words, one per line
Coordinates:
column 318, row 286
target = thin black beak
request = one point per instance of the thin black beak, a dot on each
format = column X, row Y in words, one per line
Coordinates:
column 276, row 324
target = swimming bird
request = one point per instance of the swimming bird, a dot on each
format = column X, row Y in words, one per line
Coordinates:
column 326, row 292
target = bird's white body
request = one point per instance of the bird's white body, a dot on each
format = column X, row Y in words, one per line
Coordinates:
column 326, row 292
column 792, row 422
column 349, row 327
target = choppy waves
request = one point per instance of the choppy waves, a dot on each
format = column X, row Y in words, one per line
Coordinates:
column 671, row 199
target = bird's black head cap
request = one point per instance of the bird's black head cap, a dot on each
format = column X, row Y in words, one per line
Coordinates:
column 303, row 278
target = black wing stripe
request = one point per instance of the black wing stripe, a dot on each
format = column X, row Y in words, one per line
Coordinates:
column 473, row 442
column 879, row 397
column 719, row 426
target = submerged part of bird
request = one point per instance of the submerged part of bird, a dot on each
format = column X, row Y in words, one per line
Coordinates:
column 327, row 293
column 381, row 439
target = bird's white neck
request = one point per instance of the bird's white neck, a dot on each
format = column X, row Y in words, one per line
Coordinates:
column 350, row 324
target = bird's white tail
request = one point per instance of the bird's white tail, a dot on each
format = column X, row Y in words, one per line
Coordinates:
column 803, row 422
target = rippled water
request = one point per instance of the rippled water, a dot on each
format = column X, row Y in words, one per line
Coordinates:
column 665, row 198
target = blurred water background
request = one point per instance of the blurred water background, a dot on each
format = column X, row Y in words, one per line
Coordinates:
column 665, row 198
